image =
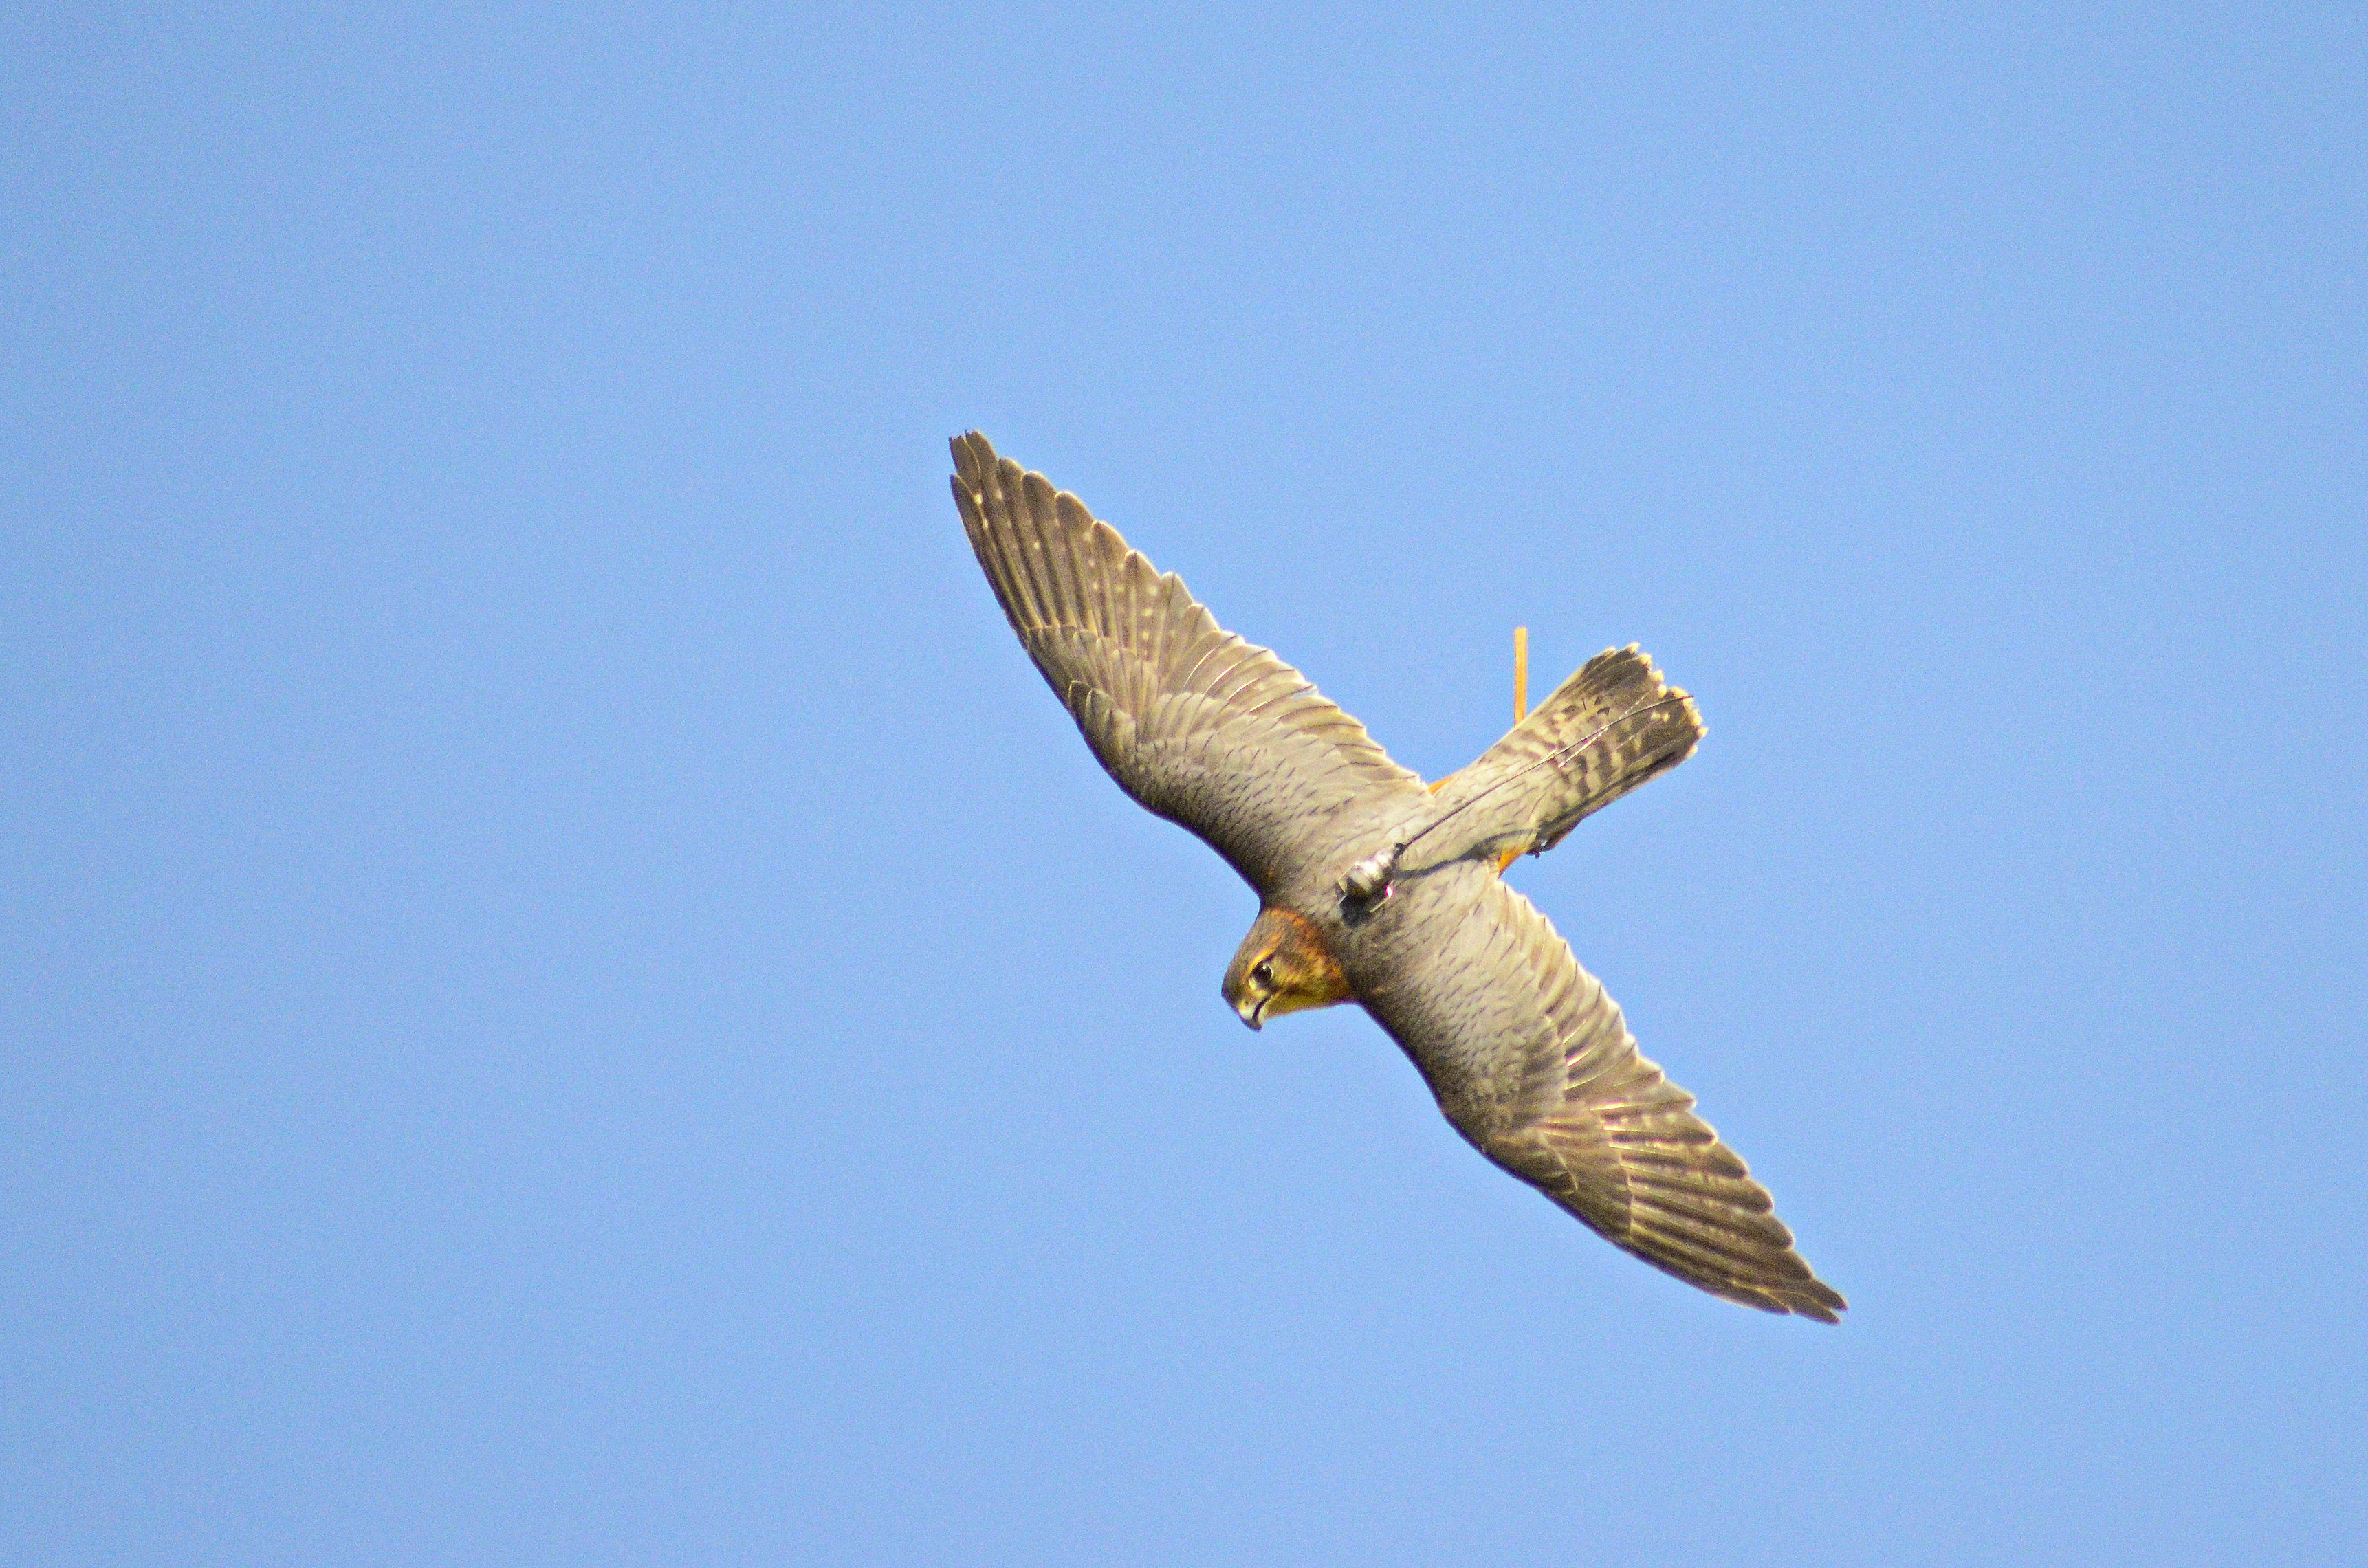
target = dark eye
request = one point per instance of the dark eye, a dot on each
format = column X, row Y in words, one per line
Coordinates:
column 1264, row 974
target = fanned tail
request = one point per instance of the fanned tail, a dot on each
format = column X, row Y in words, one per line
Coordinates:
column 1605, row 730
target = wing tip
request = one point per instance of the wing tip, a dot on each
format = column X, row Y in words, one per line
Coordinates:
column 1810, row 1298
column 1820, row 1303
column 973, row 458
column 1807, row 1296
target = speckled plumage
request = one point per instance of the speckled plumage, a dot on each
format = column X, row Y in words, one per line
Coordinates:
column 1527, row 1056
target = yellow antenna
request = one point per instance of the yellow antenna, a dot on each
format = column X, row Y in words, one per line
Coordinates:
column 1520, row 673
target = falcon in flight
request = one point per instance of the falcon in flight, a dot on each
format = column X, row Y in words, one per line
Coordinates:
column 1378, row 889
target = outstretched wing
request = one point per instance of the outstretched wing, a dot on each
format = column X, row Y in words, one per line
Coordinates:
column 1608, row 729
column 1532, row 1062
column 1198, row 725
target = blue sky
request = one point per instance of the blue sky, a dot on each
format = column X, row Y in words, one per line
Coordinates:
column 569, row 996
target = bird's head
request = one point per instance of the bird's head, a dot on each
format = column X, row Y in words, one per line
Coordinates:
column 1281, row 967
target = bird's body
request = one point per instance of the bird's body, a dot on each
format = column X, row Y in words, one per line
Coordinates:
column 1377, row 889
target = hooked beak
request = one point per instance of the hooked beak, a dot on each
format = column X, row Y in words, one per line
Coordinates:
column 1251, row 1011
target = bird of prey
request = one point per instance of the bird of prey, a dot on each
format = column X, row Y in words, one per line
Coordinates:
column 1378, row 889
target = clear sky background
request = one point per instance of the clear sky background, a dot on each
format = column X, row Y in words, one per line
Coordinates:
column 567, row 995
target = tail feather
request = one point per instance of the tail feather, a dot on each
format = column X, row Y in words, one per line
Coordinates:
column 1611, row 727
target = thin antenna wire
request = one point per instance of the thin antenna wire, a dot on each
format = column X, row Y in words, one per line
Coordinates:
column 1555, row 757
column 1520, row 673
column 1370, row 879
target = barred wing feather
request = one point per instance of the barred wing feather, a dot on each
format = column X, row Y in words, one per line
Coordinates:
column 1597, row 1127
column 1196, row 724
